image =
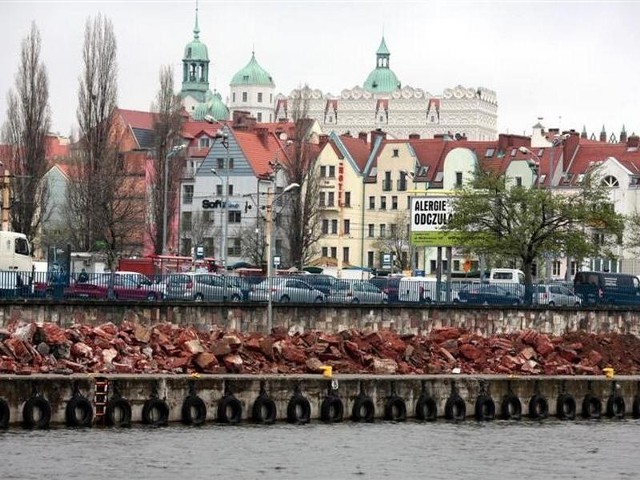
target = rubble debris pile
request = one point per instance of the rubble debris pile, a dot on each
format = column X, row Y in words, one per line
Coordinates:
column 166, row 348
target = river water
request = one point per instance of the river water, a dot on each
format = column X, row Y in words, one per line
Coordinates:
column 468, row 450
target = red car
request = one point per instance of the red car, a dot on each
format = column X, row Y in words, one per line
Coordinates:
column 123, row 289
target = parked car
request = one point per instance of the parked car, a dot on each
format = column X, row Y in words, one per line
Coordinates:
column 200, row 287
column 324, row 283
column 242, row 283
column 607, row 288
column 423, row 290
column 356, row 291
column 487, row 294
column 109, row 285
column 553, row 294
column 388, row 285
column 286, row 289
column 144, row 282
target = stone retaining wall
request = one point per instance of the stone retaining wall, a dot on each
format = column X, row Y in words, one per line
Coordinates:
column 403, row 319
column 393, row 398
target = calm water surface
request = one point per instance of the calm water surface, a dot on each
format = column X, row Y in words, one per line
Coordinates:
column 468, row 450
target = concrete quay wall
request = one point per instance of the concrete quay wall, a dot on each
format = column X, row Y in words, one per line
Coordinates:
column 160, row 400
column 404, row 319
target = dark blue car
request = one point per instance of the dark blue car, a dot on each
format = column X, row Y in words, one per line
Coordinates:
column 487, row 294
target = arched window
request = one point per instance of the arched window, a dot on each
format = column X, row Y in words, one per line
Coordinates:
column 610, row 181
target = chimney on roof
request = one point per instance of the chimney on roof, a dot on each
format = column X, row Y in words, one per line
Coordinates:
column 554, row 131
column 603, row 134
column 323, row 140
column 363, row 136
column 375, row 134
column 243, row 121
column 441, row 136
column 346, row 134
column 263, row 135
column 414, row 136
column 633, row 141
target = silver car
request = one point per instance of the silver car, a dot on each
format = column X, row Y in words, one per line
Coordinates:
column 202, row 287
column 556, row 295
column 356, row 291
column 285, row 290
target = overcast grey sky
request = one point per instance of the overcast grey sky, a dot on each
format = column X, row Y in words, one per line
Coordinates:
column 571, row 62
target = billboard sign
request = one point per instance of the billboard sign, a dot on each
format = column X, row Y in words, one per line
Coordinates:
column 429, row 217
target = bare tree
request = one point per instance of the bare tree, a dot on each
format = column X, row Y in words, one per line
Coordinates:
column 167, row 129
column 25, row 131
column 304, row 202
column 105, row 196
column 397, row 242
column 253, row 243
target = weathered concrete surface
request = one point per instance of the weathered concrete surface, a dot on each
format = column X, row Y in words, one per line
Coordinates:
column 483, row 321
column 15, row 390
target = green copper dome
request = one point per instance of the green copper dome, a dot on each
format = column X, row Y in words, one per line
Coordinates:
column 382, row 79
column 252, row 74
column 195, row 49
column 214, row 106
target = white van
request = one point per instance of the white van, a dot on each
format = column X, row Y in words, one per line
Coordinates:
column 423, row 290
column 510, row 278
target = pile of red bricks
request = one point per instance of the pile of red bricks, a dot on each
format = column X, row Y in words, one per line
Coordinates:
column 167, row 348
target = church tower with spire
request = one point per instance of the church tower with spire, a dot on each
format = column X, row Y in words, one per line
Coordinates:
column 195, row 71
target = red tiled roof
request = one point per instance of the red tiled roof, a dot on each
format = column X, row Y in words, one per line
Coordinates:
column 258, row 152
column 194, row 129
column 137, row 119
column 358, row 149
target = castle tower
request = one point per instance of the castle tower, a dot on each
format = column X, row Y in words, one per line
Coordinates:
column 252, row 90
column 382, row 79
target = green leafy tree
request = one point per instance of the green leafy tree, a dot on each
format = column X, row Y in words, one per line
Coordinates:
column 493, row 217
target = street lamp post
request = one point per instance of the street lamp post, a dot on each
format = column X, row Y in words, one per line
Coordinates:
column 174, row 151
column 269, row 235
column 222, row 211
column 224, row 137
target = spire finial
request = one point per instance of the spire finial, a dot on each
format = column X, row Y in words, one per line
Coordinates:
column 196, row 29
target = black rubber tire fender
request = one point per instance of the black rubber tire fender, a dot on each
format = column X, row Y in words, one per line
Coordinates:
column 155, row 411
column 615, row 406
column 264, row 410
column 5, row 414
column 591, row 407
column 511, row 407
column 455, row 408
column 538, row 407
column 229, row 410
column 118, row 413
column 485, row 408
column 36, row 413
column 635, row 407
column 79, row 412
column 363, row 409
column 566, row 407
column 332, row 409
column 194, row 410
column 395, row 409
column 298, row 409
column 426, row 408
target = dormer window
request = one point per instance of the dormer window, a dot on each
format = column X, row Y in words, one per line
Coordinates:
column 610, row 181
column 489, row 153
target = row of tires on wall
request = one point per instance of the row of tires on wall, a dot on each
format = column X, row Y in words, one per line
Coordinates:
column 79, row 411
